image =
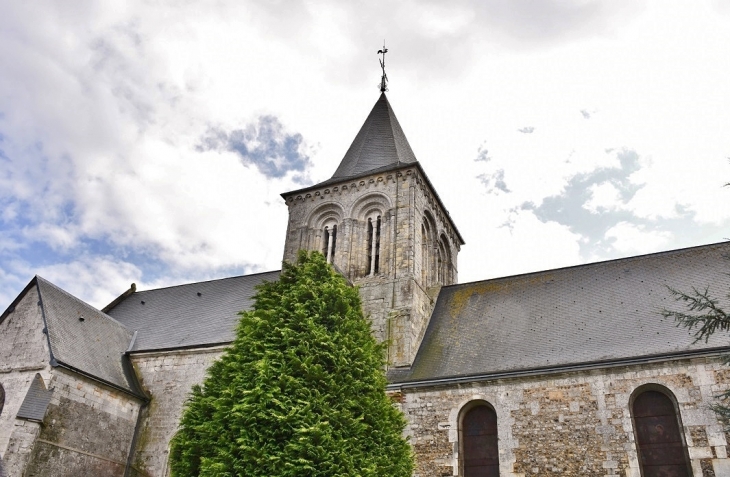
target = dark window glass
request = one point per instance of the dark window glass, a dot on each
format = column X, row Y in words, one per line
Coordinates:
column 658, row 437
column 479, row 438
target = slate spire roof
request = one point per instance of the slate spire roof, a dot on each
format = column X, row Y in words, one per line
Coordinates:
column 380, row 143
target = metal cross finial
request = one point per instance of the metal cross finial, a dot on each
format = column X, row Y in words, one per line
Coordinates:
column 384, row 78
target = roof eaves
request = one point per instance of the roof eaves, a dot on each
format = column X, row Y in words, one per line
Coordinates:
column 133, row 390
column 649, row 359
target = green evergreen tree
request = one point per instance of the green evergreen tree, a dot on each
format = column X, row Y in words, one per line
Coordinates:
column 704, row 316
column 300, row 392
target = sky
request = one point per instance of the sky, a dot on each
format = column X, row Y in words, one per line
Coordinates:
column 149, row 141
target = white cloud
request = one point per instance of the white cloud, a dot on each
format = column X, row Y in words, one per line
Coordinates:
column 101, row 110
column 629, row 238
column 604, row 196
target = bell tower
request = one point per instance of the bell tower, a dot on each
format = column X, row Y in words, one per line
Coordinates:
column 380, row 222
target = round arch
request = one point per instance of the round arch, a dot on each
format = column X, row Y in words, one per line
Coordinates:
column 658, row 431
column 325, row 214
column 478, row 440
column 375, row 203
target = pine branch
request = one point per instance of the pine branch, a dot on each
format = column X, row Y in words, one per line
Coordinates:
column 707, row 318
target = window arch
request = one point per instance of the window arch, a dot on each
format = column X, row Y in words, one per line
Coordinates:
column 479, row 441
column 658, row 431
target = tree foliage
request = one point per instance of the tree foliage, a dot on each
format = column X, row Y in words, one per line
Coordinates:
column 301, row 391
column 703, row 316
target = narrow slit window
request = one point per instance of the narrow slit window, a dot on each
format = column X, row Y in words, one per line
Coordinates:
column 329, row 243
column 373, row 246
column 370, row 247
column 334, row 241
column 424, row 257
column 326, row 242
column 376, row 261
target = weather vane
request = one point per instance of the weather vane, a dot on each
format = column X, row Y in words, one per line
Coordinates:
column 384, row 78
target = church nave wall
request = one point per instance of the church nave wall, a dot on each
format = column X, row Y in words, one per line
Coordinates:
column 576, row 423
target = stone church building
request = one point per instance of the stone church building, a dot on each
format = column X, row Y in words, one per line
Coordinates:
column 561, row 372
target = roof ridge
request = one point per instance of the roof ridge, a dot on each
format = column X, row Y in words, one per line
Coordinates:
column 205, row 281
column 631, row 258
column 40, row 279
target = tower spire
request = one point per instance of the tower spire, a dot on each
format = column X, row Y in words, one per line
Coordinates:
column 384, row 78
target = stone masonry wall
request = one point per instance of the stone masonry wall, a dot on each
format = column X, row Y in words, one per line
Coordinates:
column 394, row 298
column 576, row 424
column 23, row 354
column 168, row 377
column 87, row 429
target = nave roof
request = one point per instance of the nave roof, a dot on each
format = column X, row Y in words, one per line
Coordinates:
column 588, row 315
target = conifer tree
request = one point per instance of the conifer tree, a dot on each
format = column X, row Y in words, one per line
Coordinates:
column 704, row 316
column 300, row 392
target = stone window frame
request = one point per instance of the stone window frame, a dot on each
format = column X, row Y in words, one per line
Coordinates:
column 322, row 218
column 664, row 389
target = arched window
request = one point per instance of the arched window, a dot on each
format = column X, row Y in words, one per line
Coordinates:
column 373, row 246
column 329, row 242
column 658, row 431
column 479, row 442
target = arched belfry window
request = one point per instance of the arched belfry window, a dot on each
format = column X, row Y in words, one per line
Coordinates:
column 373, row 246
column 479, row 441
column 329, row 242
column 658, row 431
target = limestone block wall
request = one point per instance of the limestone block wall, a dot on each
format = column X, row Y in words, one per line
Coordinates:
column 168, row 378
column 23, row 354
column 577, row 423
column 87, row 429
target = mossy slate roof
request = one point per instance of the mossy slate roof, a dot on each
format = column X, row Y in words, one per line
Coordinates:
column 595, row 313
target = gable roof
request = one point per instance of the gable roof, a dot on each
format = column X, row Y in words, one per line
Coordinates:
column 190, row 315
column 84, row 339
column 595, row 313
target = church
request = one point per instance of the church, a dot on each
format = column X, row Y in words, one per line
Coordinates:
column 568, row 372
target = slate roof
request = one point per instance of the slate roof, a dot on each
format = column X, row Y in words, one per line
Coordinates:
column 85, row 339
column 190, row 315
column 36, row 400
column 596, row 313
column 380, row 146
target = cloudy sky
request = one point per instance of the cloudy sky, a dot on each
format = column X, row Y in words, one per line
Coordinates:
column 148, row 142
